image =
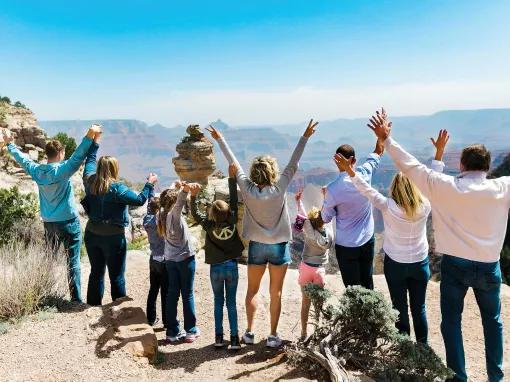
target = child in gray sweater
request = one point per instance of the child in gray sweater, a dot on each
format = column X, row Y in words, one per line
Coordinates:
column 318, row 240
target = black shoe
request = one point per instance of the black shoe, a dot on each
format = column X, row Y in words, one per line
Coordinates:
column 235, row 344
column 218, row 342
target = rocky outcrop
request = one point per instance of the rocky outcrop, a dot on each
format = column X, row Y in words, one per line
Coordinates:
column 23, row 124
column 195, row 161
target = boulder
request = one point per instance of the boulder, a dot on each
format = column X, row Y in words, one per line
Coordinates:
column 122, row 325
column 195, row 161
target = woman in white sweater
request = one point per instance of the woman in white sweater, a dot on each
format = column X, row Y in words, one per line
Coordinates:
column 266, row 224
column 406, row 264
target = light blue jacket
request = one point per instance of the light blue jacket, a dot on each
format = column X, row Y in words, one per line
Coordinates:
column 353, row 212
column 56, row 196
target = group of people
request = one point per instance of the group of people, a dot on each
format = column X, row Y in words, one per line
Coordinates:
column 470, row 214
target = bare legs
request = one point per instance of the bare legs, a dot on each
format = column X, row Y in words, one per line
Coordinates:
column 255, row 273
column 276, row 278
column 305, row 311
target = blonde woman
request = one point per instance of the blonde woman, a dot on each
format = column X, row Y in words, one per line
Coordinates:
column 266, row 224
column 406, row 264
column 106, row 203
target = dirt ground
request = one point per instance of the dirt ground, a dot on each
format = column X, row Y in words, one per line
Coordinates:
column 56, row 347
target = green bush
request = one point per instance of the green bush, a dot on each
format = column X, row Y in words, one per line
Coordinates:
column 68, row 142
column 5, row 100
column 15, row 208
column 359, row 332
column 20, row 105
column 138, row 244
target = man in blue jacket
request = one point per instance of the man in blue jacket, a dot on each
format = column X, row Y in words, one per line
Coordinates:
column 56, row 198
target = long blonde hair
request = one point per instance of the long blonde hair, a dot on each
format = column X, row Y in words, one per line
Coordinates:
column 264, row 171
column 107, row 173
column 167, row 200
column 406, row 195
column 315, row 217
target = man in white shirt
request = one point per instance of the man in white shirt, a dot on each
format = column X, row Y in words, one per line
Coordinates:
column 470, row 217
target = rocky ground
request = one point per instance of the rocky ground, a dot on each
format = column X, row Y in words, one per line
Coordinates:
column 62, row 346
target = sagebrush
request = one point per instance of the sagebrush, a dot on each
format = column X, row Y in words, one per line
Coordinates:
column 32, row 276
column 15, row 208
column 358, row 332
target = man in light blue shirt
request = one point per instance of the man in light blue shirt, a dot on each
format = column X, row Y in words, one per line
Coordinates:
column 354, row 220
column 56, row 198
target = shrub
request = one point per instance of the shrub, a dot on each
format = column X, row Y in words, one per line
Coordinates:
column 359, row 331
column 20, row 105
column 32, row 277
column 138, row 244
column 15, row 207
column 68, row 142
column 5, row 100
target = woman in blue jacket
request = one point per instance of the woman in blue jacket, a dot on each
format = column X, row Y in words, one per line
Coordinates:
column 106, row 204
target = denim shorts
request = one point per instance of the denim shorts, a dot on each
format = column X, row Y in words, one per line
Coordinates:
column 275, row 254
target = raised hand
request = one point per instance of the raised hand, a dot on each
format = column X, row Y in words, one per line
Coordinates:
column 152, row 178
column 186, row 187
column 380, row 125
column 215, row 134
column 310, row 129
column 324, row 190
column 298, row 195
column 440, row 143
column 232, row 170
column 178, row 184
column 5, row 137
column 93, row 130
column 344, row 164
column 195, row 188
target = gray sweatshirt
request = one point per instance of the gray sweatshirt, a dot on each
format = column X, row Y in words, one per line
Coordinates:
column 317, row 244
column 177, row 239
column 266, row 219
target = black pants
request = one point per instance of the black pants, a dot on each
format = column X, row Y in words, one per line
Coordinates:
column 357, row 264
column 158, row 280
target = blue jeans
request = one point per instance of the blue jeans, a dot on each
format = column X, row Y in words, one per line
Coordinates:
column 224, row 279
column 274, row 254
column 457, row 276
column 105, row 252
column 357, row 264
column 413, row 278
column 68, row 234
column 181, row 276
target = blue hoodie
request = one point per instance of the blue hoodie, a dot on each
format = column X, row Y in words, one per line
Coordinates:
column 56, row 196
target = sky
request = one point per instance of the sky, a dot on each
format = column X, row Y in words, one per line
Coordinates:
column 253, row 62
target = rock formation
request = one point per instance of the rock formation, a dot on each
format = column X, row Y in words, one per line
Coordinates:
column 195, row 161
column 23, row 124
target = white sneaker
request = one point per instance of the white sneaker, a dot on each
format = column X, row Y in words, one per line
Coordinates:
column 273, row 342
column 249, row 338
column 179, row 337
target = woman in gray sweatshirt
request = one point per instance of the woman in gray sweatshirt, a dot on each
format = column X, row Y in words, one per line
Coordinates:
column 266, row 224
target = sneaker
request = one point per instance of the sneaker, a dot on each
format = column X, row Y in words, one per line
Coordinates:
column 234, row 343
column 249, row 338
column 273, row 342
column 218, row 342
column 154, row 323
column 191, row 337
column 179, row 337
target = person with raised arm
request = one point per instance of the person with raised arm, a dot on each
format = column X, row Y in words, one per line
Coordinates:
column 470, row 217
column 354, row 239
column 106, row 204
column 318, row 239
column 222, row 248
column 266, row 224
column 56, row 198
column 406, row 263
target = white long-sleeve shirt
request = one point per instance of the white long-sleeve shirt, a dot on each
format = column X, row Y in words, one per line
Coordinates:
column 470, row 211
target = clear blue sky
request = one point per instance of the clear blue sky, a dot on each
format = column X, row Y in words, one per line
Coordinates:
column 253, row 62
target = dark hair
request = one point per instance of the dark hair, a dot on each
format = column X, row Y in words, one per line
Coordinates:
column 53, row 148
column 347, row 151
column 154, row 205
column 476, row 158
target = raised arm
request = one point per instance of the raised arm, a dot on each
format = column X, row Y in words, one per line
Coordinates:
column 292, row 166
column 23, row 160
column 440, row 144
column 90, row 162
column 151, row 195
column 232, row 191
column 241, row 177
column 299, row 203
column 70, row 166
column 127, row 196
column 424, row 178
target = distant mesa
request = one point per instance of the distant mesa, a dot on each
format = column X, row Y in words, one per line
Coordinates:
column 195, row 160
